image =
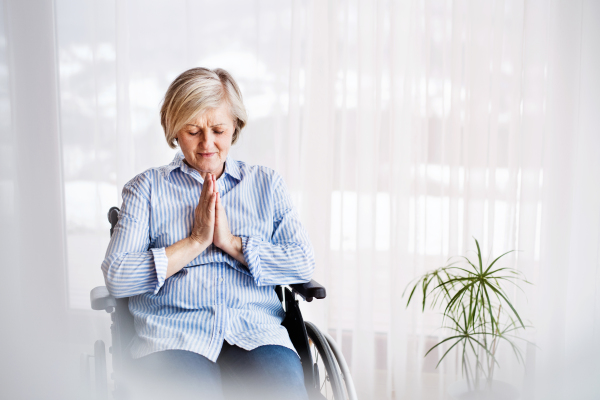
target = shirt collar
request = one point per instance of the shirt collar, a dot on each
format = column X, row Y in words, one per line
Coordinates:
column 231, row 167
column 176, row 163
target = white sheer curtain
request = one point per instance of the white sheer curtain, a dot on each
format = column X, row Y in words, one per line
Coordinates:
column 403, row 129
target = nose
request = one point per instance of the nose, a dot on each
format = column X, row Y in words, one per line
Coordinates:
column 204, row 140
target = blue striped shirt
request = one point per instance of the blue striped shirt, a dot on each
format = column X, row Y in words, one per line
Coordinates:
column 214, row 297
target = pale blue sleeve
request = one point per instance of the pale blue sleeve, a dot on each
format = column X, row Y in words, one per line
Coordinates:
column 288, row 257
column 130, row 267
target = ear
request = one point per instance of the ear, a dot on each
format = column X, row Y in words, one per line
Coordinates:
column 236, row 133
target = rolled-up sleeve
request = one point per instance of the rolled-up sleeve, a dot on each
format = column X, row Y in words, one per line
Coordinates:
column 288, row 256
column 130, row 267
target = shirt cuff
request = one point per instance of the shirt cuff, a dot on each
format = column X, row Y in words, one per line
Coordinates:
column 160, row 265
column 250, row 248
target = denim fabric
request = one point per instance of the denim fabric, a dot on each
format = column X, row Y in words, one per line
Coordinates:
column 267, row 372
column 176, row 374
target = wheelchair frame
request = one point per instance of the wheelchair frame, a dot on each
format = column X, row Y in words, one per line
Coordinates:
column 301, row 335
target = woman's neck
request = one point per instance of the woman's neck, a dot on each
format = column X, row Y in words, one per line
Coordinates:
column 217, row 173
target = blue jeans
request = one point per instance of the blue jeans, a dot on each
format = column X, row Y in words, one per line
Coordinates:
column 267, row 372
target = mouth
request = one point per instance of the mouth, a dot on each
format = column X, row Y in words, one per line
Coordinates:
column 207, row 155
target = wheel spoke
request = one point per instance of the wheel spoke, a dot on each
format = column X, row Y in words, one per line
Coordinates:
column 332, row 386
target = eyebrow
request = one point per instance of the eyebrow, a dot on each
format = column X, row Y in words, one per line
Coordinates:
column 212, row 126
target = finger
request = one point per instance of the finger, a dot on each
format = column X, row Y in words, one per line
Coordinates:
column 220, row 208
column 213, row 201
column 212, row 183
column 209, row 189
column 204, row 192
column 217, row 207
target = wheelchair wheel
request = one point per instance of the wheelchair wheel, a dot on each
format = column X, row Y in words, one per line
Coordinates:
column 341, row 362
column 326, row 370
column 100, row 369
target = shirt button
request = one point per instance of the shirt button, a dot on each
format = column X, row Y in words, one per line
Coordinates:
column 221, row 279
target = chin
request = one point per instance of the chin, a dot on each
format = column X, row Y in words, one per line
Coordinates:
column 209, row 167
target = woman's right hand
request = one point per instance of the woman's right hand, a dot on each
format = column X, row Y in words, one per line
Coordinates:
column 204, row 215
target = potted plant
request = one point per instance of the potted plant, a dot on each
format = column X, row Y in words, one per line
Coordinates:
column 479, row 316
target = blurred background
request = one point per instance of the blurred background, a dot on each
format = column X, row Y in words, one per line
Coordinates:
column 402, row 128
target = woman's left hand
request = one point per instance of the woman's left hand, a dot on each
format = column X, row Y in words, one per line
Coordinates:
column 222, row 237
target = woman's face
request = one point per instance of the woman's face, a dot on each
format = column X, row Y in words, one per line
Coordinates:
column 205, row 141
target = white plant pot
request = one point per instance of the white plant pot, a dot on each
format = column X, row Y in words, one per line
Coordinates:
column 500, row 391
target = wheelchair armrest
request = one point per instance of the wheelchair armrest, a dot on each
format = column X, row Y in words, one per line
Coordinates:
column 102, row 300
column 309, row 290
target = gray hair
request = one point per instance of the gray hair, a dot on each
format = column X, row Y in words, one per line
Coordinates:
column 195, row 91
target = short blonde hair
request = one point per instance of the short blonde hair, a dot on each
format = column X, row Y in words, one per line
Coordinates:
column 195, row 91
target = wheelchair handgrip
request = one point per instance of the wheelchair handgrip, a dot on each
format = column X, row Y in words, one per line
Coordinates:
column 113, row 218
column 102, row 300
column 309, row 290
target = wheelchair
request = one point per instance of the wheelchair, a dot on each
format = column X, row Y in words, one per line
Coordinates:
column 326, row 374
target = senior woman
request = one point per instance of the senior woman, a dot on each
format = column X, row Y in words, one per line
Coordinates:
column 197, row 249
